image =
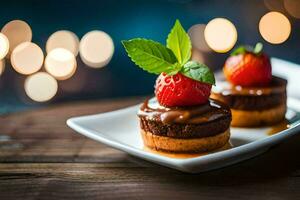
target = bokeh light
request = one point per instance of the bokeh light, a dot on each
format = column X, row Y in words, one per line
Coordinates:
column 60, row 63
column 17, row 32
column 220, row 35
column 63, row 39
column 40, row 87
column 292, row 7
column 4, row 46
column 274, row 27
column 2, row 66
column 196, row 34
column 27, row 58
column 96, row 49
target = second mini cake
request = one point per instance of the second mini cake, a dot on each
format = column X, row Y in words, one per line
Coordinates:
column 256, row 98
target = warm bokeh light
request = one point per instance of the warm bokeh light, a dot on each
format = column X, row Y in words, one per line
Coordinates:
column 2, row 66
column 196, row 34
column 17, row 32
column 96, row 49
column 40, row 87
column 63, row 39
column 4, row 45
column 275, row 27
column 60, row 63
column 292, row 7
column 220, row 35
column 27, row 58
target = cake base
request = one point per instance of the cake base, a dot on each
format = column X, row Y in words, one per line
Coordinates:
column 187, row 155
column 254, row 118
column 183, row 145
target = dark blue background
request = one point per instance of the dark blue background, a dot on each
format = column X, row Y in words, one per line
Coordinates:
column 125, row 20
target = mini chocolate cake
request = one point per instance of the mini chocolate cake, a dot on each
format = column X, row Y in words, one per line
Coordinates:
column 254, row 106
column 190, row 129
column 181, row 118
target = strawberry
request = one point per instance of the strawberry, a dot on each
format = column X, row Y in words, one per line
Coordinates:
column 182, row 82
column 179, row 90
column 248, row 69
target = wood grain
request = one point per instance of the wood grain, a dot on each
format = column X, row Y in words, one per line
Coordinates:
column 47, row 160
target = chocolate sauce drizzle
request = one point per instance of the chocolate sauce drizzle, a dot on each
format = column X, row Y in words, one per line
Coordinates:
column 277, row 85
column 210, row 111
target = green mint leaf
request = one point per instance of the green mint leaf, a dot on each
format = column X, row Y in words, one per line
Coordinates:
column 179, row 42
column 198, row 72
column 151, row 56
column 258, row 48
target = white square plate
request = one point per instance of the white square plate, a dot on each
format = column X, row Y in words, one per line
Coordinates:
column 120, row 129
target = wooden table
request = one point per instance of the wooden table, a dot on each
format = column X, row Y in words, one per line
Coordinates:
column 44, row 159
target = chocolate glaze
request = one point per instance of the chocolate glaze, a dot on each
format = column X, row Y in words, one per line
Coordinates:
column 277, row 86
column 251, row 103
column 252, row 98
column 204, row 113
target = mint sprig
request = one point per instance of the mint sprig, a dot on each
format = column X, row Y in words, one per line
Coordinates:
column 175, row 58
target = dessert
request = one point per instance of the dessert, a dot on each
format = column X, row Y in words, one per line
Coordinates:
column 181, row 118
column 256, row 98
